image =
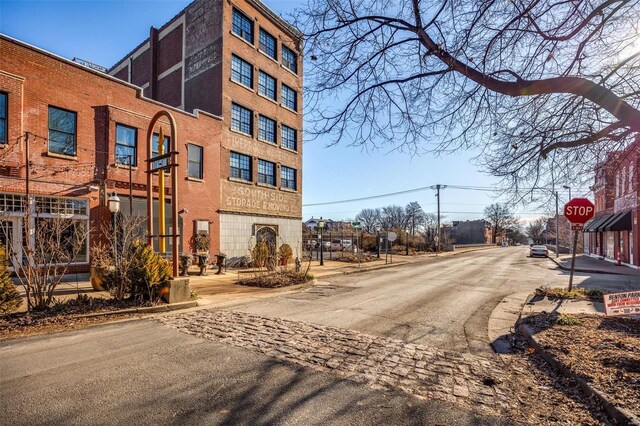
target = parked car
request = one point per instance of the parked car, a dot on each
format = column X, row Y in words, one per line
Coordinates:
column 538, row 251
column 347, row 244
column 336, row 245
column 326, row 245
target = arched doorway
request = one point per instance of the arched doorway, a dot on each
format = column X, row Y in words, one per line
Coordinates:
column 268, row 235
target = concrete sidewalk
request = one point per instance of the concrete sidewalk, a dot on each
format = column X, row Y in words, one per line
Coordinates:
column 589, row 264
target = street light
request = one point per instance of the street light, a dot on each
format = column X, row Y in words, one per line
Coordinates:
column 569, row 234
column 114, row 208
column 406, row 242
column 321, row 226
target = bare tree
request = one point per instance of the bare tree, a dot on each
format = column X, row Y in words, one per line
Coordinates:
column 57, row 241
column 393, row 217
column 369, row 219
column 535, row 230
column 500, row 219
column 542, row 87
column 415, row 216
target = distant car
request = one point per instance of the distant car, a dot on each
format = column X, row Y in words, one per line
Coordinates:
column 326, row 245
column 336, row 245
column 347, row 244
column 538, row 251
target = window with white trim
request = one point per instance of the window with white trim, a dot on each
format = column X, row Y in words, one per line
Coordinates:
column 289, row 137
column 267, row 172
column 194, row 160
column 287, row 177
column 289, row 97
column 241, row 71
column 266, row 129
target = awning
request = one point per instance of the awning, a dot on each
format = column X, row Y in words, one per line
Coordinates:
column 621, row 222
column 601, row 226
column 593, row 225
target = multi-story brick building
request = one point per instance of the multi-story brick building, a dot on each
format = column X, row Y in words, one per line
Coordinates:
column 239, row 60
column 84, row 129
column 614, row 232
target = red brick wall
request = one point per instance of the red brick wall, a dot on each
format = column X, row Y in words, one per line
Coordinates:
column 170, row 49
column 141, row 68
column 100, row 103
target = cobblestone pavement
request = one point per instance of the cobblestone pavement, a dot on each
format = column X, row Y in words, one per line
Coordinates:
column 471, row 380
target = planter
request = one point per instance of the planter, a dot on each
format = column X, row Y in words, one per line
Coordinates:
column 220, row 262
column 185, row 262
column 97, row 282
column 203, row 262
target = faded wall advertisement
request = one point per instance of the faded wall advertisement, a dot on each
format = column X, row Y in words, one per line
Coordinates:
column 254, row 199
column 203, row 31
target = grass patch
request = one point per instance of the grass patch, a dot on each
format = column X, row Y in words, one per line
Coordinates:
column 567, row 319
column 576, row 293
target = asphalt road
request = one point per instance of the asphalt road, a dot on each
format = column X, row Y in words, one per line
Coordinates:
column 442, row 302
column 142, row 372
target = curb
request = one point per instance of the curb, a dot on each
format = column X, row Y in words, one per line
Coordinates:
column 617, row 414
column 590, row 271
column 144, row 310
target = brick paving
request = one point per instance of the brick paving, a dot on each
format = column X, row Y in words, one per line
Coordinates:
column 471, row 380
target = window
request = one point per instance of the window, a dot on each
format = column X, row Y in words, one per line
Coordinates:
column 62, row 131
column 287, row 177
column 240, row 166
column 194, row 158
column 241, row 71
column 266, row 172
column 267, row 85
column 266, row 129
column 268, row 44
column 3, row 118
column 289, row 59
column 241, row 119
column 289, row 97
column 289, row 138
column 126, row 144
column 242, row 26
column 155, row 152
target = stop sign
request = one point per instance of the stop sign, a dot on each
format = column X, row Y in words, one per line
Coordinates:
column 579, row 210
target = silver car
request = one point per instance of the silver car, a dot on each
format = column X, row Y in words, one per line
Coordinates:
column 538, row 251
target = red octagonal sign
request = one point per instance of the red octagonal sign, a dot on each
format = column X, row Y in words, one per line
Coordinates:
column 579, row 210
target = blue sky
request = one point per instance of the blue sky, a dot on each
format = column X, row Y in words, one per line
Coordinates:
column 104, row 31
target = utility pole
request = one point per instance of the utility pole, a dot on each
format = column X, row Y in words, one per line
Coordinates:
column 438, row 223
column 557, row 228
column 27, row 220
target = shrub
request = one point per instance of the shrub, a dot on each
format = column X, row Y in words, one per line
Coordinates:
column 9, row 297
column 149, row 272
column 285, row 253
column 260, row 254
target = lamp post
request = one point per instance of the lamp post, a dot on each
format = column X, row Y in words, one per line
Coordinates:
column 406, row 242
column 114, row 208
column 569, row 234
column 321, row 227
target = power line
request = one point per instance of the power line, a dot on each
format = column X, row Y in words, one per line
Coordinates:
column 423, row 188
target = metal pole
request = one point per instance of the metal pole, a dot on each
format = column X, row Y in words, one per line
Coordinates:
column 557, row 228
column 27, row 221
column 130, row 185
column 573, row 259
column 321, row 246
column 438, row 225
column 162, row 226
column 378, row 242
column 406, row 243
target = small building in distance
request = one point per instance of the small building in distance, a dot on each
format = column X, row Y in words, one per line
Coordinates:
column 471, row 232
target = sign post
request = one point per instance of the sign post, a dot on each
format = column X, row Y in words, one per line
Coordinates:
column 391, row 237
column 356, row 225
column 577, row 211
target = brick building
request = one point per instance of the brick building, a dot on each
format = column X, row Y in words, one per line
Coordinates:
column 614, row 232
column 471, row 232
column 239, row 60
column 84, row 127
